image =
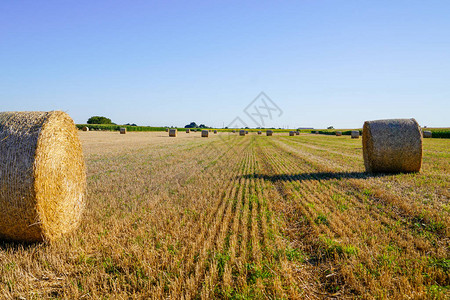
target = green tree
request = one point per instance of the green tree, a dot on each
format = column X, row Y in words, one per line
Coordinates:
column 99, row 120
column 192, row 125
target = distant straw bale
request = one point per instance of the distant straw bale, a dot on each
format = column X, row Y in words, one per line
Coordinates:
column 393, row 145
column 123, row 130
column 43, row 177
column 173, row 132
column 427, row 134
column 242, row 132
column 269, row 132
column 205, row 133
column 188, row 130
column 259, row 132
column 338, row 133
column 355, row 134
column 85, row 128
column 291, row 133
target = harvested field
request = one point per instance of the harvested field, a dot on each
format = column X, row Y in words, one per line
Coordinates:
column 226, row 217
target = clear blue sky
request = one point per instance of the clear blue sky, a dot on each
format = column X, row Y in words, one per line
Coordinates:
column 172, row 62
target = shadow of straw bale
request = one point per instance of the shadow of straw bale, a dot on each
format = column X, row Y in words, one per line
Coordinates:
column 7, row 245
column 314, row 176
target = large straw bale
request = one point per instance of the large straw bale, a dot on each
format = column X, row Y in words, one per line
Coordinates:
column 427, row 134
column 391, row 146
column 173, row 132
column 42, row 176
column 123, row 130
column 355, row 134
column 242, row 132
column 338, row 133
column 269, row 132
column 205, row 133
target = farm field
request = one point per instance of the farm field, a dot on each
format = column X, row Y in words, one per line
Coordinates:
column 244, row 217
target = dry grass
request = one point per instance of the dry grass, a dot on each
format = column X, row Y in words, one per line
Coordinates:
column 227, row 217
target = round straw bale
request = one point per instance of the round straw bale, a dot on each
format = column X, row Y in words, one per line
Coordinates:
column 43, row 177
column 269, row 132
column 234, row 131
column 297, row 132
column 188, row 130
column 246, row 132
column 205, row 133
column 215, row 131
column 393, row 145
column 85, row 128
column 259, row 132
column 355, row 134
column 167, row 129
column 427, row 134
column 316, row 132
column 123, row 130
column 242, row 132
column 291, row 133
column 338, row 133
column 173, row 132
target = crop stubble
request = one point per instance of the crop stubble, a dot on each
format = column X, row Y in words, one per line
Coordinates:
column 275, row 217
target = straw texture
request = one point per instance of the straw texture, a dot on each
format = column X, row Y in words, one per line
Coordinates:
column 427, row 134
column 173, row 132
column 205, row 133
column 43, row 177
column 355, row 134
column 392, row 146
